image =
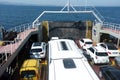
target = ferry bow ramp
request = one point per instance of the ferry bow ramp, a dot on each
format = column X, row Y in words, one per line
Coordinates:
column 65, row 29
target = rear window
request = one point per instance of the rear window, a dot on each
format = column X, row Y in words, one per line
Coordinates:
column 36, row 50
column 101, row 54
column 37, row 44
column 88, row 43
column 28, row 74
column 112, row 47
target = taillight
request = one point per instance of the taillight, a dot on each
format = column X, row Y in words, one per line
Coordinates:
column 109, row 52
column 84, row 44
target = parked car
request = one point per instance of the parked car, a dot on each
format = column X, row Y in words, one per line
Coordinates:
column 117, row 60
column 110, row 48
column 54, row 38
column 38, row 50
column 98, row 55
column 85, row 43
column 109, row 72
column 30, row 70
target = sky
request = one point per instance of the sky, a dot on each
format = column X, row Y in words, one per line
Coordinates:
column 63, row 2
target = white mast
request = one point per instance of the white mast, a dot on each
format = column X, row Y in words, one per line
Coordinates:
column 68, row 5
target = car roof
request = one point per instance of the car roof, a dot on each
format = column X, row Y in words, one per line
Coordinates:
column 37, row 45
column 111, row 68
column 99, row 49
column 87, row 40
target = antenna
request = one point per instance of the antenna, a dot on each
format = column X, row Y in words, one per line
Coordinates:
column 68, row 5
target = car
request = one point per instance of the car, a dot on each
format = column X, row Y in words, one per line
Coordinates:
column 85, row 43
column 38, row 50
column 30, row 70
column 109, row 72
column 117, row 60
column 54, row 38
column 110, row 48
column 98, row 55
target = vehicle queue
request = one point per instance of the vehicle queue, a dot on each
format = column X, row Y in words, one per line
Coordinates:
column 64, row 56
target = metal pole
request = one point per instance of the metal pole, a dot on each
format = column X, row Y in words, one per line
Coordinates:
column 118, row 43
column 5, row 55
column 68, row 8
column 11, row 47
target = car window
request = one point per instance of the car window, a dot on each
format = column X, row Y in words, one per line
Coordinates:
column 103, row 45
column 28, row 74
column 101, row 54
column 43, row 47
column 82, row 41
column 117, row 74
column 111, row 76
column 91, row 49
column 112, row 47
column 36, row 44
column 88, row 42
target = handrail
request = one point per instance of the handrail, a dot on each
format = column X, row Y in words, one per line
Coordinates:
column 21, row 28
column 3, row 58
column 36, row 21
column 112, row 26
column 4, row 53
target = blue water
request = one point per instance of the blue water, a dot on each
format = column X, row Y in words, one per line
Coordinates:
column 12, row 15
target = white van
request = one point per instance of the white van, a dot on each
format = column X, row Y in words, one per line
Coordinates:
column 66, row 62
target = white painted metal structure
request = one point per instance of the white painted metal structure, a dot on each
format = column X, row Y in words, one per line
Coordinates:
column 99, row 22
column 68, row 6
column 66, row 62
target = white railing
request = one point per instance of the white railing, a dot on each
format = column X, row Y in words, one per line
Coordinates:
column 87, row 9
column 3, row 58
column 12, row 45
column 111, row 26
column 21, row 28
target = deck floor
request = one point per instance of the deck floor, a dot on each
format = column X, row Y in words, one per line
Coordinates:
column 14, row 45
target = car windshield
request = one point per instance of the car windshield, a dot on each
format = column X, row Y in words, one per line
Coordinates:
column 101, row 54
column 111, row 47
column 36, row 50
column 88, row 42
column 117, row 74
column 28, row 74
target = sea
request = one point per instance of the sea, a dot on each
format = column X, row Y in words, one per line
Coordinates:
column 15, row 15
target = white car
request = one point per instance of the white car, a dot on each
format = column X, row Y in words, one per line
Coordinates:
column 86, row 43
column 98, row 55
column 110, row 48
column 38, row 50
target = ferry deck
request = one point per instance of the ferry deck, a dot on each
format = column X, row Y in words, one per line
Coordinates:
column 14, row 53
